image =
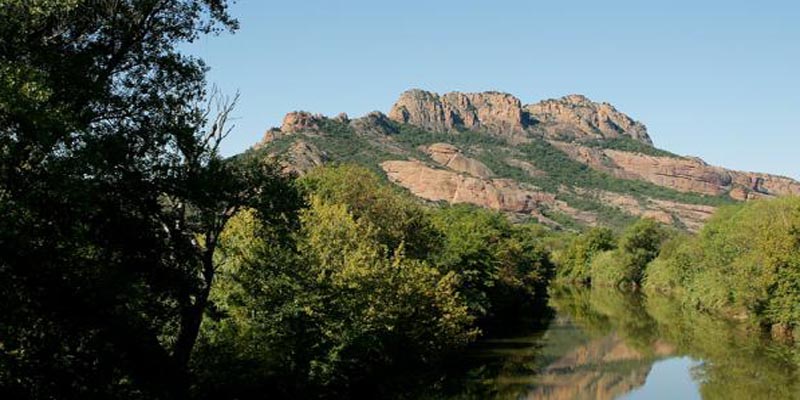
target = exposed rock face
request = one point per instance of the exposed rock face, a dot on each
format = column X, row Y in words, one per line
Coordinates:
column 502, row 114
column 493, row 112
column 451, row 157
column 342, row 117
column 269, row 136
column 303, row 156
column 759, row 185
column 577, row 117
column 443, row 185
column 299, row 121
column 683, row 174
column 591, row 156
column 692, row 216
column 457, row 176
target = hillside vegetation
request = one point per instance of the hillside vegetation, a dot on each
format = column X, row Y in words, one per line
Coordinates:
column 569, row 163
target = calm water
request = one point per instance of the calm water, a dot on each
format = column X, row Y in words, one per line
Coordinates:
column 602, row 344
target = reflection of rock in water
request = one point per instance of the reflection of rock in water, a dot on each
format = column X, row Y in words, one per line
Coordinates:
column 603, row 368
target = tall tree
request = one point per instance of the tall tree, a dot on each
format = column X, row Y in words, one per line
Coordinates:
column 112, row 195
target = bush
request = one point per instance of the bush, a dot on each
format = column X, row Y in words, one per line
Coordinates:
column 607, row 269
column 396, row 216
column 674, row 267
column 500, row 265
column 593, row 257
column 640, row 244
column 745, row 260
column 574, row 262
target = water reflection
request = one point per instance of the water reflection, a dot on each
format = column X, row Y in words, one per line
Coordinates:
column 604, row 344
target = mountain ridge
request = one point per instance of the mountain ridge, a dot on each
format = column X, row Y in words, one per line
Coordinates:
column 568, row 162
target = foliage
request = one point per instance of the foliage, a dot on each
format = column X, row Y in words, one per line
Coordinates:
column 397, row 218
column 574, row 262
column 609, row 268
column 344, row 301
column 746, row 259
column 625, row 143
column 342, row 145
column 112, row 195
column 672, row 270
column 499, row 264
column 596, row 257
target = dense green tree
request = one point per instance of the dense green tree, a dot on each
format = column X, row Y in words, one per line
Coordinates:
column 745, row 261
column 342, row 304
column 397, row 218
column 325, row 311
column 598, row 258
column 499, row 265
column 112, row 195
column 639, row 244
column 574, row 261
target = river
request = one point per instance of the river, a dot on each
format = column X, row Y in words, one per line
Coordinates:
column 605, row 344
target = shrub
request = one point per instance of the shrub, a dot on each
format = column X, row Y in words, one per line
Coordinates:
column 574, row 262
column 746, row 259
column 608, row 269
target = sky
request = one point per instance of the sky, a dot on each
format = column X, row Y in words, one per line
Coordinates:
column 714, row 79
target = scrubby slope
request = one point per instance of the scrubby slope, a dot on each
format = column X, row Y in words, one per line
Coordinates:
column 567, row 162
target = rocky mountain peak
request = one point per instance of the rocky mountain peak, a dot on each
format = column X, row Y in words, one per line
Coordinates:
column 492, row 112
column 577, row 99
column 573, row 117
column 298, row 121
column 577, row 117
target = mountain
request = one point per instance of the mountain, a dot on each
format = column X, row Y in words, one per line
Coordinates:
column 567, row 162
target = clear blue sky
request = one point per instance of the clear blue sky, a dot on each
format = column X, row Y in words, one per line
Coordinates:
column 716, row 79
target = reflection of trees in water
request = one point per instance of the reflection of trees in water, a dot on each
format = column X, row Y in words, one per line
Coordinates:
column 562, row 360
column 603, row 343
column 738, row 362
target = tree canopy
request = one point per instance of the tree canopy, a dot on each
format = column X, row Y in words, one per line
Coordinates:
column 112, row 195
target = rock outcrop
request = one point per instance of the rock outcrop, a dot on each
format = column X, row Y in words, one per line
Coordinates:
column 452, row 187
column 684, row 174
column 577, row 117
column 690, row 216
column 501, row 114
column 299, row 121
column 526, row 166
column 375, row 123
column 758, row 185
column 451, row 157
column 302, row 156
column 492, row 112
column 514, row 184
